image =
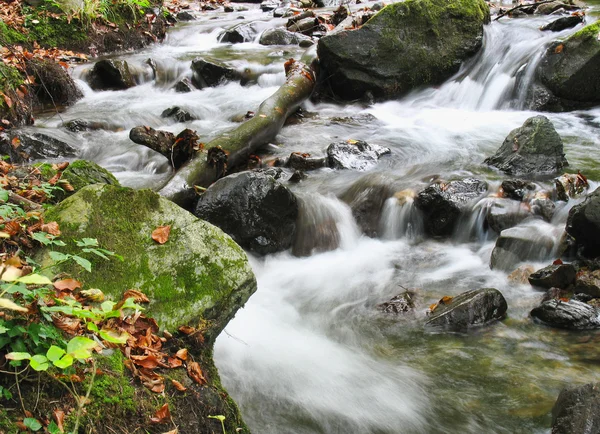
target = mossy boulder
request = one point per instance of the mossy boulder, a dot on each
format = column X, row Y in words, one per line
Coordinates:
column 199, row 276
column 406, row 45
column 570, row 71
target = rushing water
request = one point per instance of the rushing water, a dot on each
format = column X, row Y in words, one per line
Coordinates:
column 310, row 353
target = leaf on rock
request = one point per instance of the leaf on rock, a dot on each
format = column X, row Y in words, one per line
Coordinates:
column 559, row 49
column 558, row 262
column 51, row 228
column 161, row 234
column 179, row 386
column 187, row 330
column 137, row 295
column 182, row 354
column 67, row 324
column 67, row 285
column 162, row 415
column 195, row 373
column 174, row 362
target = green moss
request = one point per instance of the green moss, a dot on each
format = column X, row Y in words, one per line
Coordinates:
column 590, row 31
column 6, row 425
column 11, row 36
column 112, row 390
column 52, row 32
column 10, row 77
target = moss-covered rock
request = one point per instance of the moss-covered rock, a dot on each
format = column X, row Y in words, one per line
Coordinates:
column 406, row 45
column 199, row 276
column 570, row 71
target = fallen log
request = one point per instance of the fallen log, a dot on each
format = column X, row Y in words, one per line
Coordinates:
column 234, row 147
column 178, row 149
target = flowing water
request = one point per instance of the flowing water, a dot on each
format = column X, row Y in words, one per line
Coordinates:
column 310, row 353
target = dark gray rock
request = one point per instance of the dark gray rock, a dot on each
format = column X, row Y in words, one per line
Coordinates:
column 111, row 74
column 534, row 148
column 549, row 8
column 505, row 213
column 23, row 147
column 554, row 276
column 588, row 282
column 573, row 315
column 583, row 224
column 474, row 308
column 528, row 242
column 184, row 85
column 356, row 155
column 400, row 304
column 209, row 73
column 185, row 16
column 517, row 189
column 576, row 410
column 404, row 46
column 542, row 205
column 306, row 26
column 443, row 203
column 269, row 5
column 178, row 114
column 245, row 32
column 570, row 186
column 281, row 36
column 256, row 210
column 316, row 228
column 304, row 162
column 563, row 23
column 78, row 125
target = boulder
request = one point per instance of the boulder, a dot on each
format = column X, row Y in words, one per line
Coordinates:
column 23, row 147
column 563, row 23
column 316, row 227
column 185, row 16
column 354, row 154
column 534, row 148
column 570, row 70
column 517, row 189
column 244, row 32
column 576, row 410
column 366, row 199
column 443, row 203
column 209, row 73
column 301, row 161
column 570, row 186
column 587, row 282
column 254, row 208
column 406, row 45
column 542, row 205
column 474, row 308
column 400, row 304
column 551, row 7
column 554, row 276
column 306, row 26
column 184, row 85
column 111, row 74
column 583, row 224
column 198, row 276
column 281, row 36
column 53, row 84
column 528, row 242
column 505, row 213
column 78, row 125
column 178, row 114
column 572, row 314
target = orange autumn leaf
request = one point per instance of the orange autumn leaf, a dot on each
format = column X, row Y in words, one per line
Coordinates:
column 559, row 49
column 179, row 386
column 162, row 415
column 195, row 373
column 446, row 299
column 174, row 363
column 148, row 362
column 12, row 228
column 182, row 354
column 67, row 284
column 161, row 234
column 51, row 228
column 137, row 295
column 59, row 418
column 187, row 330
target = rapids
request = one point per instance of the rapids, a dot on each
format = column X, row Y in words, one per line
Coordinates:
column 310, row 353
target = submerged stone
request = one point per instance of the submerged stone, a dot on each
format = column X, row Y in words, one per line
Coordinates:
column 571, row 314
column 577, row 410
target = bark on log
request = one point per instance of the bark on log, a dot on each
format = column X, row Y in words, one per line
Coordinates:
column 239, row 144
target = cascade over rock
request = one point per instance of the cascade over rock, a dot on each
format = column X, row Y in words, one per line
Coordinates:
column 406, row 45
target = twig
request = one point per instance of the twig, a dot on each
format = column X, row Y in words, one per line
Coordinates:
column 82, row 401
column 19, row 391
column 521, row 7
column 37, row 399
column 20, row 200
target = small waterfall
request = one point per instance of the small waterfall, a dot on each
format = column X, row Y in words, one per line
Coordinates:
column 324, row 223
column 475, row 226
column 401, row 218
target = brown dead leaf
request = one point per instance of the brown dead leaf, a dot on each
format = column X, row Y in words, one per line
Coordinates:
column 162, row 415
column 15, row 142
column 59, row 418
column 195, row 373
column 137, row 295
column 446, row 299
column 187, row 330
column 559, row 49
column 54, row 179
column 8, row 101
column 179, row 386
column 182, row 354
column 51, row 228
column 148, row 362
column 12, row 228
column 67, row 285
column 60, row 166
column 161, row 234
column 67, row 324
column 558, row 262
column 173, row 431
column 174, row 362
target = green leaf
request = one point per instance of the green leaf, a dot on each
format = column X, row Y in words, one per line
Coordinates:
column 34, row 279
column 39, row 362
column 58, row 256
column 53, row 428
column 92, row 327
column 87, row 242
column 114, row 336
column 3, row 329
column 87, row 265
column 32, row 424
column 3, row 195
column 66, row 361
column 131, row 304
column 18, row 356
column 80, row 347
column 42, row 237
column 6, row 393
column 107, row 306
column 12, row 288
column 54, row 353
column 95, row 252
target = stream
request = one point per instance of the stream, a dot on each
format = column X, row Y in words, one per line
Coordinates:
column 310, row 352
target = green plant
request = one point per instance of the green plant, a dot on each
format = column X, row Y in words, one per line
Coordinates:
column 221, row 418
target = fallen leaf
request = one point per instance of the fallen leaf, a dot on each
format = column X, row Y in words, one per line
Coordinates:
column 558, row 262
column 137, row 295
column 162, row 415
column 59, row 418
column 12, row 228
column 174, row 363
column 67, row 324
column 60, row 166
column 15, row 142
column 179, row 386
column 195, row 373
column 446, row 299
column 173, row 431
column 182, row 354
column 559, row 49
column 161, row 234
column 51, row 228
column 93, row 294
column 187, row 330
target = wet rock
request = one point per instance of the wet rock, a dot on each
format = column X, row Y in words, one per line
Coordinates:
column 443, row 203
column 534, row 148
column 111, row 74
column 79, row 125
column 281, row 36
column 474, row 308
column 563, row 23
column 316, row 229
column 570, row 70
column 554, row 276
column 208, row 73
column 521, row 274
column 587, row 282
column 517, row 189
column 583, row 224
column 184, row 85
column 228, row 8
column 153, row 139
column 305, row 26
column 356, row 155
column 406, row 45
column 542, row 205
column 529, row 242
column 269, row 5
column 304, row 162
column 23, row 147
column 573, row 314
column 366, row 198
column 399, row 304
column 549, row 8
column 53, row 85
column 245, row 32
column 178, row 114
column 576, row 410
column 185, row 16
column 341, row 13
column 570, row 186
column 255, row 209
column 505, row 213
